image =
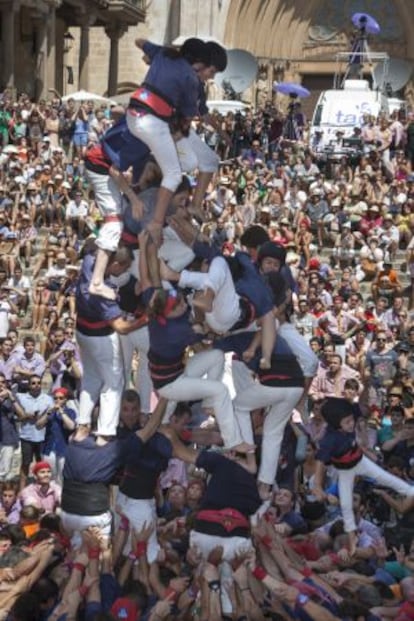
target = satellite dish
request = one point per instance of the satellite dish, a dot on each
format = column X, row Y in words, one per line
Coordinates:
column 397, row 73
column 365, row 22
column 240, row 72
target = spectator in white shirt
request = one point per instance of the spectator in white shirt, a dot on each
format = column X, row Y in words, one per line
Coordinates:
column 76, row 212
column 8, row 312
column 19, row 289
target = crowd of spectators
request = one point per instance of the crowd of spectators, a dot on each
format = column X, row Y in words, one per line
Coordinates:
column 346, row 224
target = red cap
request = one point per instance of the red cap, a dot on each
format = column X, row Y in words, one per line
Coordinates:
column 61, row 391
column 314, row 264
column 41, row 465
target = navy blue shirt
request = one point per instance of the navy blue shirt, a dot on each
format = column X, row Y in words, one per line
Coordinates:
column 174, row 78
column 169, row 340
column 335, row 443
column 88, row 462
column 93, row 307
column 8, row 430
column 124, row 149
column 57, row 435
column 252, row 286
column 230, row 485
column 143, row 466
column 129, row 301
column 149, row 199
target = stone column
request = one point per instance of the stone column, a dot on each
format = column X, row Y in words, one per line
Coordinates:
column 114, row 33
column 8, row 43
column 51, row 49
column 41, row 85
column 85, row 22
column 84, row 57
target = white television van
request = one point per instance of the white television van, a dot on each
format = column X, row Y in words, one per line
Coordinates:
column 343, row 109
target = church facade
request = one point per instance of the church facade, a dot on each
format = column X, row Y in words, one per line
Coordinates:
column 73, row 44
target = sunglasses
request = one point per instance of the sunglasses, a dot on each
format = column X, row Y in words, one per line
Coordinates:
column 59, row 398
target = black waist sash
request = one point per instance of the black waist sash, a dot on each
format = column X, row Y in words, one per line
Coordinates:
column 85, row 498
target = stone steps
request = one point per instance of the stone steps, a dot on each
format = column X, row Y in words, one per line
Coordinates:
column 365, row 286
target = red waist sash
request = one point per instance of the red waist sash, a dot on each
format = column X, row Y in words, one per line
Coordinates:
column 230, row 519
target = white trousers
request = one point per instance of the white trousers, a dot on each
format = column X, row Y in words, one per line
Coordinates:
column 108, row 199
column 232, row 546
column 74, row 524
column 194, row 153
column 157, row 136
column 138, row 340
column 367, row 468
column 226, row 307
column 192, row 385
column 6, row 462
column 139, row 512
column 103, row 380
column 281, row 402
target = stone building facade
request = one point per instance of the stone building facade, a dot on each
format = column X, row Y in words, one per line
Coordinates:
column 291, row 39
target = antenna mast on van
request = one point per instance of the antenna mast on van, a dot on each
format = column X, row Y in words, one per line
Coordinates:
column 361, row 54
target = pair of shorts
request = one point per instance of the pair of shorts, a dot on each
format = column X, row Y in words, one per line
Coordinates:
column 30, row 450
column 80, row 140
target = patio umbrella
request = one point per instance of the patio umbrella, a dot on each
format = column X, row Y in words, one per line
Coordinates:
column 291, row 89
column 86, row 96
column 363, row 20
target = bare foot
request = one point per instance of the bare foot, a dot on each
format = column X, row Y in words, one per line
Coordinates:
column 102, row 440
column 265, row 490
column 243, row 447
column 103, row 291
column 251, row 465
column 265, row 363
column 81, row 433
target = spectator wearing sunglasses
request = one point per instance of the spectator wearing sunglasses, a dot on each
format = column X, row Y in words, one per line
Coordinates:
column 59, row 422
column 34, row 403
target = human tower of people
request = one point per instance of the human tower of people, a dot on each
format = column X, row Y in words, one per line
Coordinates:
column 223, row 334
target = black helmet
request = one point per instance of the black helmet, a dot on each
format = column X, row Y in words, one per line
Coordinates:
column 254, row 236
column 334, row 409
column 195, row 51
column 218, row 55
column 271, row 249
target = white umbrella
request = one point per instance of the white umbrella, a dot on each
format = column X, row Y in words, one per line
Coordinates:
column 86, row 96
column 226, row 105
column 10, row 148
